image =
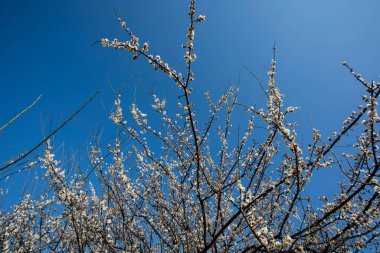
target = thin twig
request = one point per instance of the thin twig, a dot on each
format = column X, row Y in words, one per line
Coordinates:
column 21, row 113
column 22, row 156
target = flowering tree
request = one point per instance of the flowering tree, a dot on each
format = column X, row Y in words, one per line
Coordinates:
column 193, row 195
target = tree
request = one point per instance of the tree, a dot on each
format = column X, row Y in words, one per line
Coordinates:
column 194, row 189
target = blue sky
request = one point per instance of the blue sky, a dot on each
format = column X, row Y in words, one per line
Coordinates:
column 47, row 48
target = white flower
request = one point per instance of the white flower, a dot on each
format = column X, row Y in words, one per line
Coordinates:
column 287, row 241
column 377, row 189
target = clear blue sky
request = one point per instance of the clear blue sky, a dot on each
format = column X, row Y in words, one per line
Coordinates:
column 46, row 47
